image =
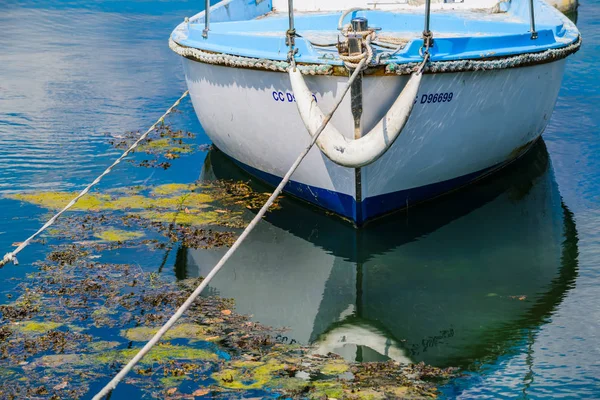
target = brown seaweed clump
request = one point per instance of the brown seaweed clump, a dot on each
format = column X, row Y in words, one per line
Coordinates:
column 170, row 145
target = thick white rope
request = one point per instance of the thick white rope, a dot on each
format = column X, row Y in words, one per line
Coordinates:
column 12, row 255
column 363, row 151
column 185, row 306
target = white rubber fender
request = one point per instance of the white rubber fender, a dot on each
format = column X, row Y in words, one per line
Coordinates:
column 355, row 153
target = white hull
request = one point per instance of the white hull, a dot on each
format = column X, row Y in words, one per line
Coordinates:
column 487, row 119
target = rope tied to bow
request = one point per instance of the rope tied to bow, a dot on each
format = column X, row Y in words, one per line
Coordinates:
column 290, row 41
column 351, row 61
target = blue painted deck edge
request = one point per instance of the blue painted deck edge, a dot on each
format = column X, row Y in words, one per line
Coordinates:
column 372, row 207
column 234, row 31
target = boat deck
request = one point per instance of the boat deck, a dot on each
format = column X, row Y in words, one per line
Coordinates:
column 459, row 34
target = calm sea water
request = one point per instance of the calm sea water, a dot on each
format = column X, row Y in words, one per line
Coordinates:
column 501, row 279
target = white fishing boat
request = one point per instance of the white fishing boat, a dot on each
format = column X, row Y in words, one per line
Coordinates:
column 437, row 104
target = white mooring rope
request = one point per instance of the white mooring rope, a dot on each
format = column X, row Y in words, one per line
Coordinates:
column 12, row 255
column 184, row 307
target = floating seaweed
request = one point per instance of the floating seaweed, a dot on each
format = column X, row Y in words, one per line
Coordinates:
column 77, row 320
column 170, row 145
column 226, row 351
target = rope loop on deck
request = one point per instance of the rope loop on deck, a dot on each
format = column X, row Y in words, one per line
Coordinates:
column 351, row 61
column 290, row 38
column 368, row 36
column 11, row 256
column 427, row 43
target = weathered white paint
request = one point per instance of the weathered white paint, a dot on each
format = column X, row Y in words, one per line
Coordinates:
column 492, row 115
column 339, row 5
column 355, row 153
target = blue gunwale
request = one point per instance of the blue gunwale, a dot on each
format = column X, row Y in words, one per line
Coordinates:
column 458, row 35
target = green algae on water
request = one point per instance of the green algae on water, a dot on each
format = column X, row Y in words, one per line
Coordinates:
column 35, row 326
column 327, row 389
column 164, row 145
column 57, row 200
column 219, row 203
column 118, row 235
column 159, row 354
column 335, row 367
column 248, row 375
column 190, row 218
column 181, row 331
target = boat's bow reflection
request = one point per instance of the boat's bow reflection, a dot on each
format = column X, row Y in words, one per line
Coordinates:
column 452, row 282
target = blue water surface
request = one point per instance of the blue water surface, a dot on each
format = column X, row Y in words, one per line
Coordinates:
column 501, row 279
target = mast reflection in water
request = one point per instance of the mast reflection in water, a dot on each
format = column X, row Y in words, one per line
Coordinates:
column 455, row 282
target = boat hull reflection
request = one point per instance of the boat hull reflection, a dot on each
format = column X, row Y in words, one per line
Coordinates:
column 450, row 283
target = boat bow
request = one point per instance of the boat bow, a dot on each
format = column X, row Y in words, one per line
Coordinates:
column 355, row 153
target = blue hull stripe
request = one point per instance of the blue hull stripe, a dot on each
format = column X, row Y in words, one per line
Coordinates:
column 371, row 207
column 378, row 205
